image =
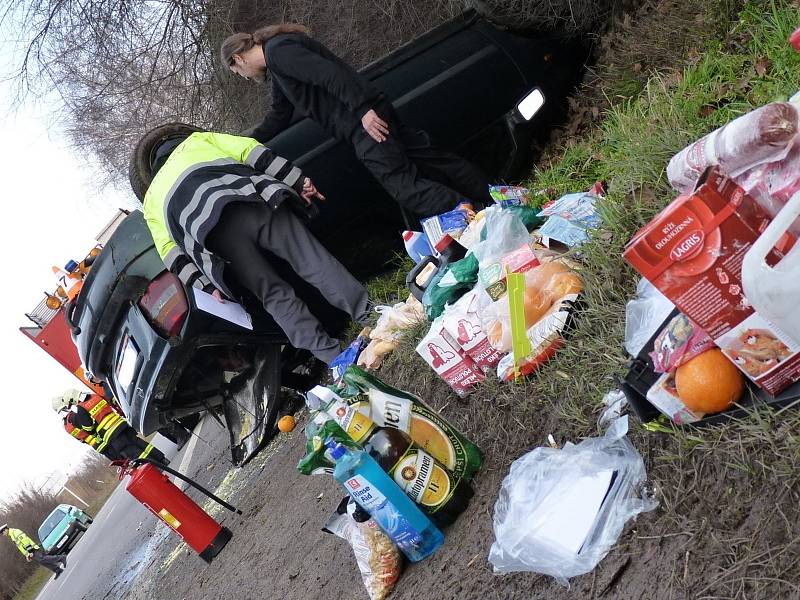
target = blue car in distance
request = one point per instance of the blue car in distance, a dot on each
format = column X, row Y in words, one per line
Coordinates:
column 60, row 531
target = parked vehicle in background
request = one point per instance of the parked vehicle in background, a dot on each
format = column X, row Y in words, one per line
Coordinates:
column 62, row 528
column 484, row 92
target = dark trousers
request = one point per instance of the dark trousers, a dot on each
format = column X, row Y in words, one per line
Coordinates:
column 52, row 562
column 245, row 235
column 125, row 443
column 420, row 177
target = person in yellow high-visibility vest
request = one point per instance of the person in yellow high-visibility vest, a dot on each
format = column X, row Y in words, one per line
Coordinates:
column 91, row 419
column 32, row 551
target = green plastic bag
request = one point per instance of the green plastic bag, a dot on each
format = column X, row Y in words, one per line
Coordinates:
column 389, row 407
column 316, row 460
column 463, row 274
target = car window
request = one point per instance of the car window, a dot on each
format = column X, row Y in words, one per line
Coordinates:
column 54, row 519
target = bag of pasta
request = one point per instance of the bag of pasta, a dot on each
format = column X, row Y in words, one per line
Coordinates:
column 377, row 557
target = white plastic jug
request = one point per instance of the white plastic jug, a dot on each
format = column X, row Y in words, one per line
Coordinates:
column 774, row 292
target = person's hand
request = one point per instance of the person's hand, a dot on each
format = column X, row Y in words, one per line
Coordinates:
column 376, row 127
column 218, row 296
column 310, row 191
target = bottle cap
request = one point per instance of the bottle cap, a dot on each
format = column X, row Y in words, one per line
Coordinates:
column 443, row 243
column 407, row 235
column 337, row 450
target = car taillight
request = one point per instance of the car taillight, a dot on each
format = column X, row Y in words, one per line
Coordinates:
column 164, row 303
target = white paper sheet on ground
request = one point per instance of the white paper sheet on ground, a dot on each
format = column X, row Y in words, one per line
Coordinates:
column 567, row 514
column 230, row 311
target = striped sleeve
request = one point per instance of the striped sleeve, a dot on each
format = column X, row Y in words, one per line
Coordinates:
column 263, row 159
column 182, row 266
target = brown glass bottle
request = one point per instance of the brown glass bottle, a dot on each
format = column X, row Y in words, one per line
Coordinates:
column 423, row 478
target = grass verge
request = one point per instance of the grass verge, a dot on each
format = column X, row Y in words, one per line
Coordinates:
column 33, row 585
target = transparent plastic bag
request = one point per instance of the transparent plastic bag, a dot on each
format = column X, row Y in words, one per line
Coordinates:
column 504, row 232
column 560, row 511
column 378, row 559
column 760, row 136
column 644, row 315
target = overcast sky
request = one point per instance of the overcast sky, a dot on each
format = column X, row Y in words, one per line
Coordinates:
column 51, row 214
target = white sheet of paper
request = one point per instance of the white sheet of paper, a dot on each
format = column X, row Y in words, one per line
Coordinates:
column 228, row 310
column 571, row 510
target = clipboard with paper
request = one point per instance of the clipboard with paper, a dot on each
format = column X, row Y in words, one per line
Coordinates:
column 225, row 309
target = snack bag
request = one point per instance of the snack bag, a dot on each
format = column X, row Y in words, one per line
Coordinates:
column 450, row 362
column 463, row 323
column 389, row 407
column 509, row 195
column 378, row 559
column 451, row 223
column 678, row 343
column 492, row 274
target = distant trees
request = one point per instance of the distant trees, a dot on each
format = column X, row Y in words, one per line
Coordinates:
column 29, row 506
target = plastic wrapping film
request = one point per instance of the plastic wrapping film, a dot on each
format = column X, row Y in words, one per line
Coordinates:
column 761, row 136
column 532, row 519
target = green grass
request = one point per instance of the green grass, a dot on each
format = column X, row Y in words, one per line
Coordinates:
column 732, row 489
column 34, row 584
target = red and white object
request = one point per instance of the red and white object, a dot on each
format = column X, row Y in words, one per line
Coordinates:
column 450, row 362
column 166, row 501
column 462, row 321
column 760, row 136
column 693, row 253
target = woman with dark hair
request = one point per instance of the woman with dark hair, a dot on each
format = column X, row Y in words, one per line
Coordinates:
column 312, row 80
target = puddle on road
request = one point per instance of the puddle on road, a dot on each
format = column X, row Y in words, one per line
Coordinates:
column 138, row 560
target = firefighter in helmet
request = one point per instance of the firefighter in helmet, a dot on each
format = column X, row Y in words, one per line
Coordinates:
column 91, row 419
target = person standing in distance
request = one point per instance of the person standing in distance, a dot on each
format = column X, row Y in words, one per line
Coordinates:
column 309, row 79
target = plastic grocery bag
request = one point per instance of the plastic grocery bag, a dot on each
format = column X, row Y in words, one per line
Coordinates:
column 561, row 510
column 377, row 557
column 644, row 315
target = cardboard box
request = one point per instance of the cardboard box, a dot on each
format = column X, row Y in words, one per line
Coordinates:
column 693, row 252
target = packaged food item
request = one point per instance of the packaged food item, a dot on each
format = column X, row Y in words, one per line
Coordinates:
column 679, row 342
column 451, row 223
column 693, row 253
column 450, row 362
column 509, row 195
column 492, row 274
column 385, row 337
column 544, row 286
column 349, row 355
column 762, row 135
column 390, row 407
column 463, row 323
column 546, row 337
column 664, row 396
column 378, row 559
column 772, row 184
column 569, row 218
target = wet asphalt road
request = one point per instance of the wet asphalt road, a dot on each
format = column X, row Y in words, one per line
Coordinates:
column 117, row 545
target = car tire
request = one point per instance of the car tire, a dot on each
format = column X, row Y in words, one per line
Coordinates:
column 80, row 527
column 89, row 521
column 140, row 173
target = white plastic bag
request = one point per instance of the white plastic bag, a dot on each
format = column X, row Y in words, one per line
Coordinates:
column 644, row 315
column 561, row 510
column 505, row 232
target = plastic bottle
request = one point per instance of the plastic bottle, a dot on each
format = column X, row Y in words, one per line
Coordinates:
column 449, row 251
column 370, row 486
column 773, row 290
column 417, row 245
column 429, row 483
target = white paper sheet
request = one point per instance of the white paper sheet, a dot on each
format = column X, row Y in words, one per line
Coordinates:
column 228, row 310
column 570, row 510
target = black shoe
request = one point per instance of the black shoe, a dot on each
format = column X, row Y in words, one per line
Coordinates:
column 59, row 572
column 63, row 560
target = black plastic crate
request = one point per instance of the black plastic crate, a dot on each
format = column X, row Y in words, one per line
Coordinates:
column 641, row 376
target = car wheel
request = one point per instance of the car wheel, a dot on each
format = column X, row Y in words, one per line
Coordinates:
column 89, row 521
column 80, row 527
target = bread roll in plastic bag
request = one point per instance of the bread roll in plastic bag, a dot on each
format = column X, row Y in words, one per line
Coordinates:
column 760, row 136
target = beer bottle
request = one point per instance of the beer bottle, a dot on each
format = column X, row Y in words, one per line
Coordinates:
column 431, row 485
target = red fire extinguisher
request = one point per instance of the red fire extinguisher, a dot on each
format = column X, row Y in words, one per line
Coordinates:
column 166, row 501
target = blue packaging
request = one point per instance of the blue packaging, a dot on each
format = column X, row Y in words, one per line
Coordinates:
column 389, row 506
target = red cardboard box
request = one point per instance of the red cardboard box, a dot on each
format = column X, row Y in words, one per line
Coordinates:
column 693, row 252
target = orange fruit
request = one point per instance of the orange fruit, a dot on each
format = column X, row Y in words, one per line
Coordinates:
column 286, row 424
column 709, row 383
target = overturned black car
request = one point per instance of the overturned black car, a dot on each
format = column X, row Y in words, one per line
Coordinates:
column 483, row 92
